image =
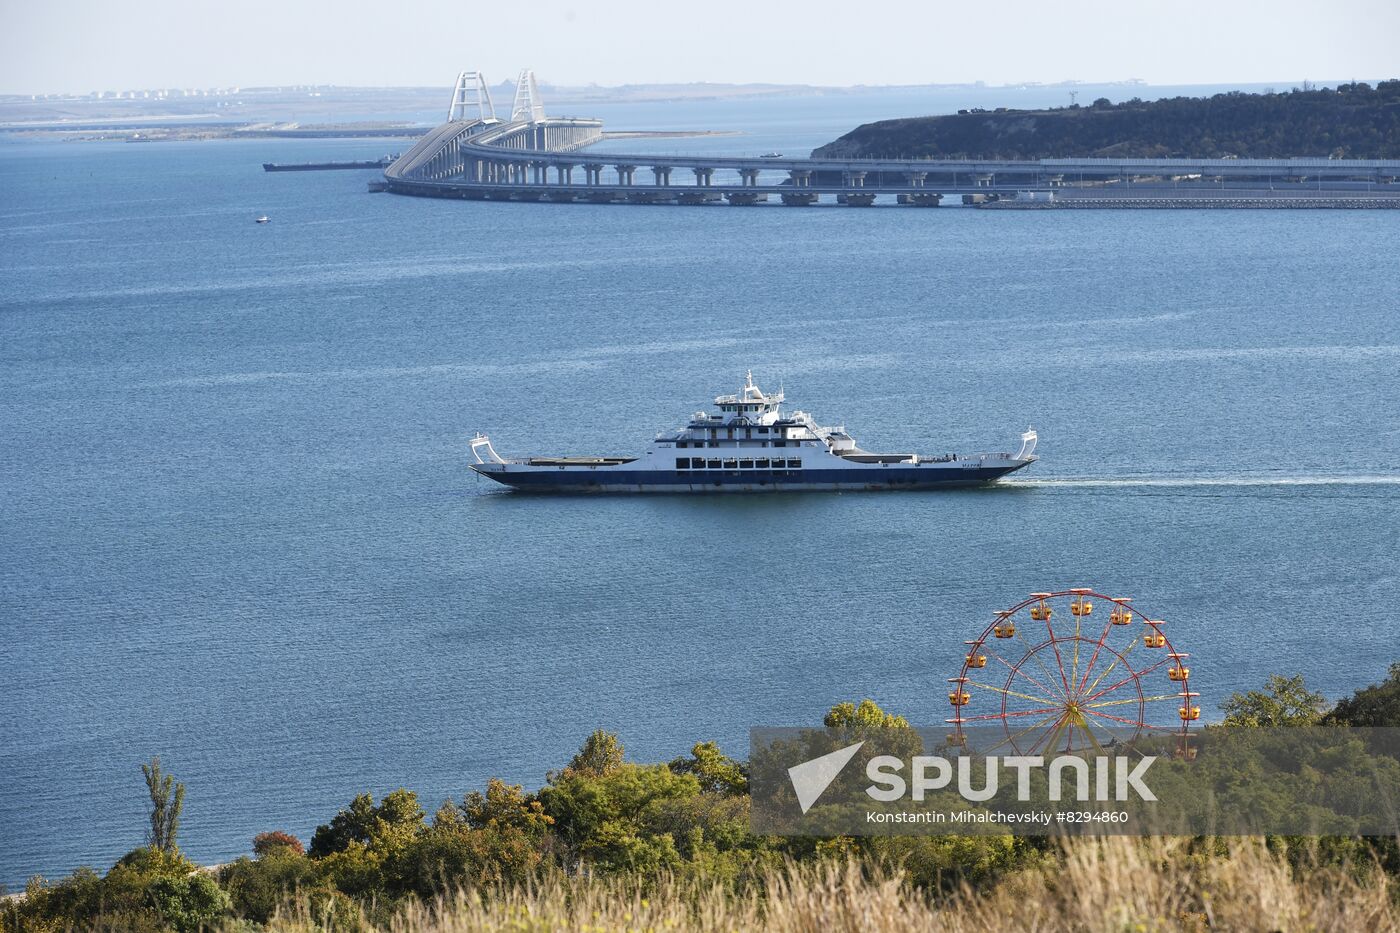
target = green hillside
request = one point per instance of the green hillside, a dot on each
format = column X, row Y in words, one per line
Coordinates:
column 1353, row 121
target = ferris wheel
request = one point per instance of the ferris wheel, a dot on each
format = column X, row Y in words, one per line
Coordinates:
column 1072, row 671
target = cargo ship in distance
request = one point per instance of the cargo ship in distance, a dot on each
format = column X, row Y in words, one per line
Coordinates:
column 750, row 445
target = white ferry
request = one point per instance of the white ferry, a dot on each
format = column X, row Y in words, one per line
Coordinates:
column 750, row 445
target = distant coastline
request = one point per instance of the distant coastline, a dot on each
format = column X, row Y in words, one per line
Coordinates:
column 1351, row 121
column 307, row 104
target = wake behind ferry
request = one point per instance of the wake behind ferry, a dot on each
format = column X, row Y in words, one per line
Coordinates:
column 750, row 445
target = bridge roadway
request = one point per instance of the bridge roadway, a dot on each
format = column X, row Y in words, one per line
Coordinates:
column 516, row 159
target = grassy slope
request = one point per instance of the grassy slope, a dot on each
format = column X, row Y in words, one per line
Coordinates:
column 1116, row 884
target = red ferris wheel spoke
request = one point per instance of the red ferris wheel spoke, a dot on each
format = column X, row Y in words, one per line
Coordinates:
column 1054, row 643
column 1117, row 659
column 1137, row 699
column 1130, row 722
column 1028, row 712
column 1052, row 734
column 1023, row 696
column 1112, row 739
column 1155, row 727
column 1033, row 652
column 1015, row 669
column 1135, row 675
column 1098, row 647
column 1011, row 739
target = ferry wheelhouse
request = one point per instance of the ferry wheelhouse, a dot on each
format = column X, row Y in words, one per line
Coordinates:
column 749, row 445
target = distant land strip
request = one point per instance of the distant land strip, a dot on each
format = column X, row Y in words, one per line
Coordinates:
column 1351, row 121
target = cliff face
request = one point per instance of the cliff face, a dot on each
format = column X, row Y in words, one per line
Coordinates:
column 1354, row 121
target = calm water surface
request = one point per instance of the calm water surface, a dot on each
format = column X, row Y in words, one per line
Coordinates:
column 238, row 530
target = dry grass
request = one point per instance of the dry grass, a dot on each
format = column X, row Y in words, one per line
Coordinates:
column 1116, row 884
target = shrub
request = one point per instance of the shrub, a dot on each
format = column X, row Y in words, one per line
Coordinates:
column 275, row 842
column 258, row 888
column 190, row 903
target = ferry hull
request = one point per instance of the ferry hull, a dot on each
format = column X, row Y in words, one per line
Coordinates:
column 611, row 480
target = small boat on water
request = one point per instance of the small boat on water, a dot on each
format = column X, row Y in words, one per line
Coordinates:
column 749, row 445
column 771, row 155
column 263, row 219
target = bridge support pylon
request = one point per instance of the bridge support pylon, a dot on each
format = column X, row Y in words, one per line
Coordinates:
column 471, row 100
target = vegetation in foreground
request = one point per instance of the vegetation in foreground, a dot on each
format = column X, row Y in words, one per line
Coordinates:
column 1352, row 121
column 608, row 844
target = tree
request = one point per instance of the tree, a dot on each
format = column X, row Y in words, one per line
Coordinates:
column 1284, row 701
column 354, row 823
column 1376, row 705
column 505, row 805
column 716, row 771
column 397, row 818
column 600, row 755
column 165, row 806
column 867, row 714
column 604, row 819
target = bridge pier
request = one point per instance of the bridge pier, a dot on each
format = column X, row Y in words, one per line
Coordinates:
column 624, row 174
column 565, row 172
column 801, row 178
column 855, row 200
column 749, row 177
column 663, row 175
column 703, row 176
column 855, row 179
column 915, row 179
column 799, row 198
column 745, row 198
column 593, row 173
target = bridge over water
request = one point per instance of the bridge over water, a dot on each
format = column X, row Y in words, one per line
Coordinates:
column 532, row 157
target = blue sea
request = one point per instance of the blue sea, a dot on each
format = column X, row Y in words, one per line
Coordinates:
column 238, row 531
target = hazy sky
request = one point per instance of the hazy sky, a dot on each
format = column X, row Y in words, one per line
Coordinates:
column 84, row 45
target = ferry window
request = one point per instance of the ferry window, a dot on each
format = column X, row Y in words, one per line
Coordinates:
column 714, row 443
column 792, row 464
column 746, row 464
column 761, row 464
column 682, row 463
column 780, row 443
column 762, row 430
column 731, row 464
column 697, row 464
column 714, row 464
column 682, row 444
